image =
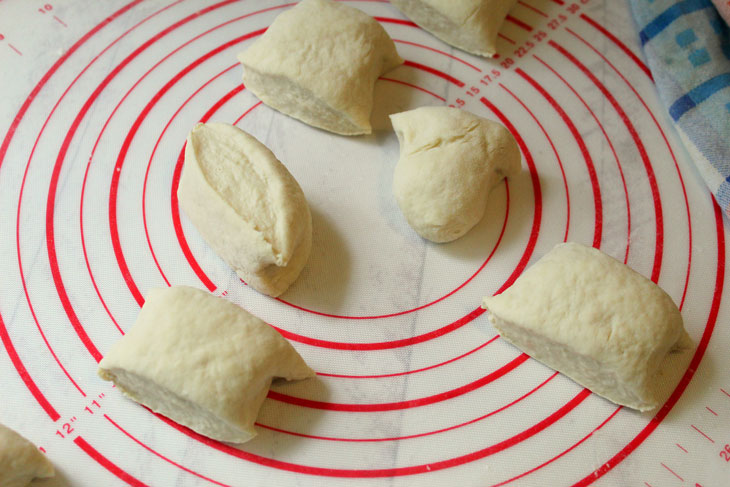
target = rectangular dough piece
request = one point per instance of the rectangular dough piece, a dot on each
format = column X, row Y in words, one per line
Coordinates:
column 470, row 25
column 201, row 361
column 595, row 320
column 318, row 62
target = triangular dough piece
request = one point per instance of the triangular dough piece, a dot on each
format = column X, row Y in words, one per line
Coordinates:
column 471, row 25
column 318, row 62
column 201, row 361
column 595, row 320
column 20, row 460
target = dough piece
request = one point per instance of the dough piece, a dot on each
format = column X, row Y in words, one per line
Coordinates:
column 318, row 62
column 20, row 460
column 594, row 319
column 201, row 361
column 471, row 25
column 449, row 161
column 246, row 205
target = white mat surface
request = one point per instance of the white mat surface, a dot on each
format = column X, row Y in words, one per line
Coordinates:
column 96, row 100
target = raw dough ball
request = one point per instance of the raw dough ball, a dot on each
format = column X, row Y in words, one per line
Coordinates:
column 20, row 460
column 471, row 25
column 201, row 361
column 449, row 161
column 246, row 205
column 318, row 62
column 594, row 319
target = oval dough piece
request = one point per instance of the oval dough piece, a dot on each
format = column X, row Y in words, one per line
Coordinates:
column 201, row 361
column 318, row 63
column 20, row 460
column 594, row 319
column 471, row 25
column 246, row 205
column 449, row 161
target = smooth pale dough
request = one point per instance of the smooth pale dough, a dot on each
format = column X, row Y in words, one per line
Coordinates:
column 471, row 25
column 20, row 460
column 594, row 319
column 318, row 62
column 449, row 161
column 201, row 361
column 246, row 205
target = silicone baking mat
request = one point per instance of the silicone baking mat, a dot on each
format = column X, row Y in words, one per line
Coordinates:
column 413, row 387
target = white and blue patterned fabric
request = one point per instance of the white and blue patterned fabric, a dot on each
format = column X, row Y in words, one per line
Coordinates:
column 687, row 45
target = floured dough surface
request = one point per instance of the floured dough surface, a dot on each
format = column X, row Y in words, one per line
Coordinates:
column 594, row 319
column 471, row 25
column 318, row 62
column 449, row 161
column 201, row 361
column 20, row 460
column 246, row 205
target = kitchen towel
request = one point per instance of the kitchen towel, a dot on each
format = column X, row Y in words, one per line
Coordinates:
column 687, row 45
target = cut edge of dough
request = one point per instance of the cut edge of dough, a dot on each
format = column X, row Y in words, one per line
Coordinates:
column 273, row 280
column 578, row 367
column 292, row 100
column 195, row 187
column 269, row 264
column 284, row 186
column 197, row 157
column 179, row 409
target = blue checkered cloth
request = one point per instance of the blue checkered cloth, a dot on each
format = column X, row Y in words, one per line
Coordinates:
column 687, row 45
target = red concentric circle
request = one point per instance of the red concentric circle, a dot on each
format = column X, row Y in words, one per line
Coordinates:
column 412, row 380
